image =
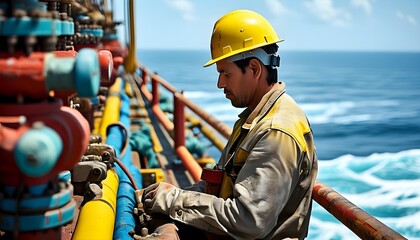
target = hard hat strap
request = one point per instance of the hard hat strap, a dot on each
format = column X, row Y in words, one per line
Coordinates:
column 272, row 60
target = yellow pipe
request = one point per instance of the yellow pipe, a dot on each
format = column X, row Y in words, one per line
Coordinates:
column 112, row 108
column 130, row 63
column 96, row 124
column 128, row 89
column 97, row 217
column 157, row 147
column 209, row 133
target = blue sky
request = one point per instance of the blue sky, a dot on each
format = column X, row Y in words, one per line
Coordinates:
column 352, row 25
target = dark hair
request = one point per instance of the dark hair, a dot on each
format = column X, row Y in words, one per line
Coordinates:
column 272, row 72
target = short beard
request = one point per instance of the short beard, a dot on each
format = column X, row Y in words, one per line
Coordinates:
column 238, row 104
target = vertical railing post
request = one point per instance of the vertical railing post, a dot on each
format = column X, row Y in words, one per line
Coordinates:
column 155, row 92
column 179, row 122
column 144, row 75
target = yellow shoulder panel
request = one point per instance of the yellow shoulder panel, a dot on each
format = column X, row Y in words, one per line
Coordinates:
column 289, row 118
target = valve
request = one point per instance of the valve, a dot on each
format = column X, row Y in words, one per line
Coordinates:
column 39, row 73
column 81, row 74
column 92, row 169
column 38, row 150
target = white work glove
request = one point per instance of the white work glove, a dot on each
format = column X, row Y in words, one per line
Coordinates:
column 158, row 197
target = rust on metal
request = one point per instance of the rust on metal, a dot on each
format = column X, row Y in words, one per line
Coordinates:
column 360, row 222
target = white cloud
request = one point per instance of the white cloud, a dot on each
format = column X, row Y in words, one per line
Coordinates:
column 407, row 17
column 326, row 12
column 276, row 7
column 363, row 4
column 184, row 6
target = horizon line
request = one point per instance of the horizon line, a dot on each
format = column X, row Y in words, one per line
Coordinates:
column 296, row 50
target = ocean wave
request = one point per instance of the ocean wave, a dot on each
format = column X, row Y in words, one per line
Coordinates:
column 339, row 112
column 386, row 185
column 346, row 112
column 201, row 95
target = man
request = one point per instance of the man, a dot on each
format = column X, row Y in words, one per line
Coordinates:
column 269, row 165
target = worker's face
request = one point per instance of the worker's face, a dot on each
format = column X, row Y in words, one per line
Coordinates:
column 238, row 87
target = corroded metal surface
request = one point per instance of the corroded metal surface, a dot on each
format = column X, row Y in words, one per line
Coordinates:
column 360, row 222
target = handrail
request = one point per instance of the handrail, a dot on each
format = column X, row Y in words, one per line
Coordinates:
column 353, row 217
column 358, row 221
column 220, row 127
column 164, row 83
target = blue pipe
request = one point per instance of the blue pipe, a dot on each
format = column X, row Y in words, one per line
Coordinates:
column 126, row 202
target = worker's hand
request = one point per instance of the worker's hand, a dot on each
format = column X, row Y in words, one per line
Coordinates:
column 166, row 231
column 158, row 197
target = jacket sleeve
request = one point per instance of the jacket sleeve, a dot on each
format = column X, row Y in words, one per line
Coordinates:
column 197, row 187
column 261, row 191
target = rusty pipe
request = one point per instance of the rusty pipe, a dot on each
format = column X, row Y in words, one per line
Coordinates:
column 189, row 162
column 358, row 221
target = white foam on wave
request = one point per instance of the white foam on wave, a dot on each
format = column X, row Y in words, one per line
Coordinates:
column 364, row 181
column 321, row 229
column 333, row 112
column 344, row 112
column 203, row 95
column 339, row 112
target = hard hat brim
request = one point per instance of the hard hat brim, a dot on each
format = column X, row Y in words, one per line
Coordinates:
column 213, row 61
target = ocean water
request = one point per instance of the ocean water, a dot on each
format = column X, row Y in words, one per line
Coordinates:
column 364, row 109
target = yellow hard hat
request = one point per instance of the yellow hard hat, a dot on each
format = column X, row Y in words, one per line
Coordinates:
column 240, row 31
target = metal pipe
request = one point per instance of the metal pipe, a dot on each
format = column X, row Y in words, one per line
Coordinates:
column 146, row 93
column 106, row 206
column 128, row 89
column 361, row 223
column 97, row 217
column 130, row 63
column 157, row 147
column 179, row 122
column 112, row 108
column 167, row 124
column 155, row 93
column 189, row 162
column 208, row 132
column 222, row 128
column 164, row 83
column 126, row 202
column 154, row 99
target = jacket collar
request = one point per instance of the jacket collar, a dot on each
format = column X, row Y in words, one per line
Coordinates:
column 263, row 106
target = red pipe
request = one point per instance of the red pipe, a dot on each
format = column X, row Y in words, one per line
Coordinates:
column 167, row 124
column 361, row 223
column 222, row 128
column 164, row 83
column 23, row 75
column 144, row 75
column 179, row 122
column 69, row 124
column 189, row 162
column 146, row 93
column 143, row 87
column 155, row 93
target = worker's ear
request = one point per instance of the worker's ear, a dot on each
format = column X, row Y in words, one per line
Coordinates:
column 256, row 67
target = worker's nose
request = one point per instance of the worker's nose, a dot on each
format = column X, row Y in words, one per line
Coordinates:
column 220, row 82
